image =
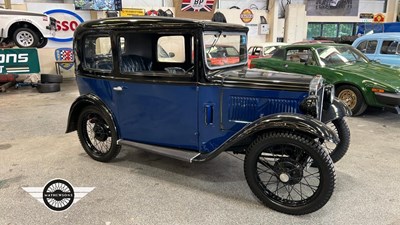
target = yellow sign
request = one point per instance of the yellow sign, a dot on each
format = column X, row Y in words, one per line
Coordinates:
column 132, row 12
column 246, row 16
column 379, row 18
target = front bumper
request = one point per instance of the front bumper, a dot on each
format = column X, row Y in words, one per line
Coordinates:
column 390, row 100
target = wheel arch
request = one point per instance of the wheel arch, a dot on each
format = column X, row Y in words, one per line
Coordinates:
column 362, row 90
column 82, row 102
column 23, row 24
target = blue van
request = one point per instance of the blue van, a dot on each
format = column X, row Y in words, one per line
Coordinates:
column 381, row 47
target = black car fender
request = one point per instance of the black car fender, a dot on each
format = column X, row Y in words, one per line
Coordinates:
column 337, row 109
column 82, row 102
column 304, row 124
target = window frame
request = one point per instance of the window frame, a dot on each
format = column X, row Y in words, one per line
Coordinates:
column 84, row 62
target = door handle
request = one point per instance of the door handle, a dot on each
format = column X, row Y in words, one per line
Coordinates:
column 118, row 88
column 208, row 114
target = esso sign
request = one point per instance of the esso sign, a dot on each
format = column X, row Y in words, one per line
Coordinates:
column 67, row 22
column 67, row 25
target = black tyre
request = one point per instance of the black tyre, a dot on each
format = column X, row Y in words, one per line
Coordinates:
column 353, row 98
column 48, row 87
column 342, row 130
column 278, row 170
column 97, row 134
column 25, row 38
column 42, row 42
column 51, row 78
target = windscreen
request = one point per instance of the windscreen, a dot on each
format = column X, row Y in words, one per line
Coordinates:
column 224, row 49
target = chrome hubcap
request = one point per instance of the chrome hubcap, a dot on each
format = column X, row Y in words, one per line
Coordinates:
column 284, row 177
column 25, row 38
column 349, row 97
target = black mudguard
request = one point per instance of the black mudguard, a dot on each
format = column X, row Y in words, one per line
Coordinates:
column 80, row 103
column 337, row 109
column 285, row 121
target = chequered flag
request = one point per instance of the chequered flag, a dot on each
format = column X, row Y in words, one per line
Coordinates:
column 197, row 5
column 65, row 54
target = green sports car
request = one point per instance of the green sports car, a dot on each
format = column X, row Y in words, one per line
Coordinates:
column 358, row 81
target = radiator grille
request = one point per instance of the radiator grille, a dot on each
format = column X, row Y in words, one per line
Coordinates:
column 248, row 109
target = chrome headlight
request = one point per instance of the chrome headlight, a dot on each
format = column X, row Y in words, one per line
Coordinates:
column 310, row 106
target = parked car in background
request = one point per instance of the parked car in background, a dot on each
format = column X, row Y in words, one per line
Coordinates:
column 264, row 50
column 187, row 107
column 380, row 47
column 26, row 29
column 358, row 81
column 220, row 55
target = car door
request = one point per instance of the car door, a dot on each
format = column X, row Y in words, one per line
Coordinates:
column 157, row 104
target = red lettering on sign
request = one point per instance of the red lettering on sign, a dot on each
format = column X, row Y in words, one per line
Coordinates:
column 67, row 25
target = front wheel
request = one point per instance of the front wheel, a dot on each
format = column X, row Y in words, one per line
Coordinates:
column 26, row 38
column 353, row 98
column 278, row 170
column 337, row 151
column 97, row 134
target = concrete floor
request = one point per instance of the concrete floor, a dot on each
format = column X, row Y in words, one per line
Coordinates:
column 143, row 188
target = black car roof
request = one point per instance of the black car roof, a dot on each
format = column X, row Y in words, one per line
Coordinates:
column 120, row 23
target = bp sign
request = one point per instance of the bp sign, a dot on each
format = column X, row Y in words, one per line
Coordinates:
column 19, row 60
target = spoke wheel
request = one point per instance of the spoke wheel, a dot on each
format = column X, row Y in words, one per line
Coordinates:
column 353, row 98
column 337, row 151
column 97, row 134
column 279, row 172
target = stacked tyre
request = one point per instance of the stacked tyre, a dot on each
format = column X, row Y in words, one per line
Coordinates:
column 49, row 83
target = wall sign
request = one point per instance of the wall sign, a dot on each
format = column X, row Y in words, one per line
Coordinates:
column 195, row 9
column 19, row 60
column 379, row 18
column 246, row 16
column 67, row 21
column 197, row 5
column 132, row 12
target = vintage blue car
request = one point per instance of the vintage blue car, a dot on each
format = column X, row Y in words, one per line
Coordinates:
column 179, row 104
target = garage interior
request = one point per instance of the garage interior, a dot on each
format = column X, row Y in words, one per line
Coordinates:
column 140, row 187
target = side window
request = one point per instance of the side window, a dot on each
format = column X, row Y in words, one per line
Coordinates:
column 367, row 47
column 371, row 47
column 171, row 49
column 300, row 56
column 390, row 47
column 362, row 46
column 97, row 54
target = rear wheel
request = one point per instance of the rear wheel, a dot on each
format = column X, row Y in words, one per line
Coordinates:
column 42, row 42
column 278, row 170
column 337, row 151
column 97, row 134
column 353, row 98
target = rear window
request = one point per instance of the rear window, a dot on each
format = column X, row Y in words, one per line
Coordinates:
column 390, row 47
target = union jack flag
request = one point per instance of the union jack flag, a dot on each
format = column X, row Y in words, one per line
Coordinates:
column 197, row 5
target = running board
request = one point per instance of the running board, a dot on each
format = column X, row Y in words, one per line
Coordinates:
column 183, row 155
